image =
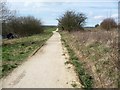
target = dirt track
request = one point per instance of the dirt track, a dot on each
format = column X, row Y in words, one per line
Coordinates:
column 46, row 69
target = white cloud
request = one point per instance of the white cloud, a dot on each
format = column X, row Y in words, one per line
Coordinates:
column 42, row 1
column 90, row 13
column 99, row 17
column 62, row 1
column 115, row 16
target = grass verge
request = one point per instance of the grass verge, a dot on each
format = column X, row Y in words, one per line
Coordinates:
column 85, row 78
column 15, row 51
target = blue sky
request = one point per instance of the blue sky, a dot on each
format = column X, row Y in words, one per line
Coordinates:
column 49, row 10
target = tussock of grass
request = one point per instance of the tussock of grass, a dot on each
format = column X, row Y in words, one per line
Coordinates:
column 74, row 85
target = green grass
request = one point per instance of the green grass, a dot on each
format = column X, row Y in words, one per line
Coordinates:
column 15, row 51
column 85, row 78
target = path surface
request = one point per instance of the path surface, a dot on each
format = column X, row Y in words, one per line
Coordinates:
column 46, row 69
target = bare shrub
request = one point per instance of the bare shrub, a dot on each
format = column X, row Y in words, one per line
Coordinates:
column 108, row 23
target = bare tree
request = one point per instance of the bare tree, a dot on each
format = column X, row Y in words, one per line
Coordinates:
column 5, row 13
column 5, row 16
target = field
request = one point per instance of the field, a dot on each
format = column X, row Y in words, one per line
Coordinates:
column 97, row 54
column 16, row 51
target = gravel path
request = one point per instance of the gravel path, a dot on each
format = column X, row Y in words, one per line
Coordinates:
column 46, row 69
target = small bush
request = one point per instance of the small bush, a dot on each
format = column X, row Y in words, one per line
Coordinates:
column 108, row 23
column 96, row 25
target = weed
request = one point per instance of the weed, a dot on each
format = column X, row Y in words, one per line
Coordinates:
column 67, row 62
column 74, row 85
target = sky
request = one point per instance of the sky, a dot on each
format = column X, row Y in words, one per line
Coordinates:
column 49, row 10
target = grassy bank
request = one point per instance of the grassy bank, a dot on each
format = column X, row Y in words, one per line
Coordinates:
column 94, row 54
column 84, row 77
column 15, row 51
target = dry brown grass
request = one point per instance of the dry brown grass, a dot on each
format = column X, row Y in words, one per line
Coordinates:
column 98, row 51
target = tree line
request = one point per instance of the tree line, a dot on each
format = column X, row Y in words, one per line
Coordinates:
column 23, row 26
